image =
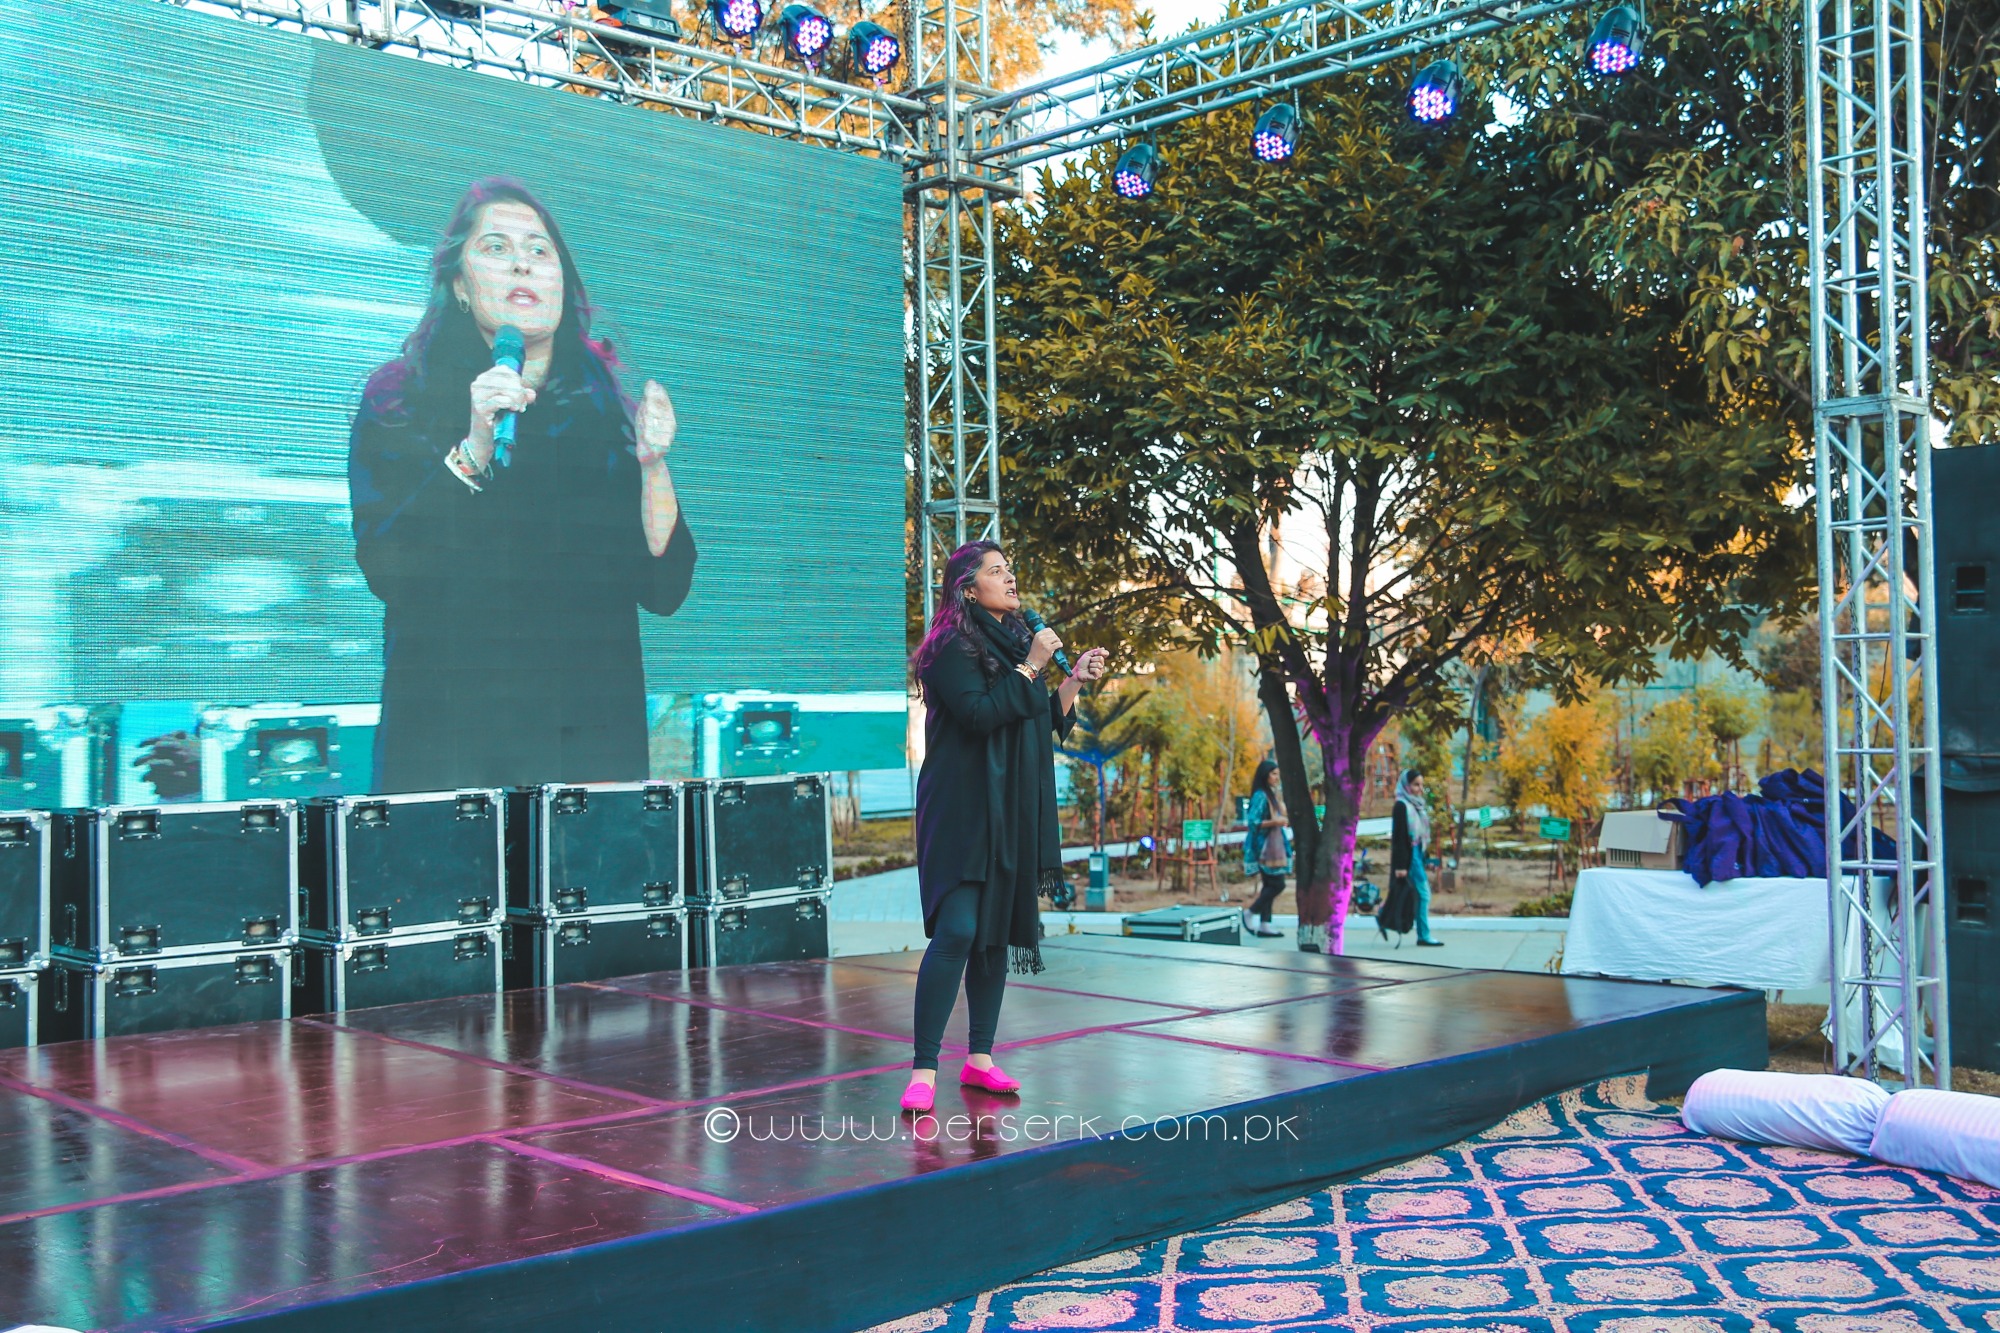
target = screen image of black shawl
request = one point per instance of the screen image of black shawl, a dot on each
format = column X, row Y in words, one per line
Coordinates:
column 253, row 280
column 511, row 517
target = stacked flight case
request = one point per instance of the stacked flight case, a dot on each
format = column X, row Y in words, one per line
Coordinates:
column 25, row 848
column 402, row 898
column 171, row 917
column 596, row 881
column 767, row 870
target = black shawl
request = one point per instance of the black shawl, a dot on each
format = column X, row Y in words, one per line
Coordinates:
column 986, row 797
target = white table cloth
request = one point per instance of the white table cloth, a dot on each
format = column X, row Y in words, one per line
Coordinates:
column 1659, row 925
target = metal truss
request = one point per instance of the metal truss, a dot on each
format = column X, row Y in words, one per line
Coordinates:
column 561, row 45
column 1262, row 53
column 956, row 416
column 1872, row 434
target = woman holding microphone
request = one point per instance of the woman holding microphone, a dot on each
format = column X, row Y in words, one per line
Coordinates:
column 987, row 838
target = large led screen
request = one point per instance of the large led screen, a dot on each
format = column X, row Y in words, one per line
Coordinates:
column 254, row 494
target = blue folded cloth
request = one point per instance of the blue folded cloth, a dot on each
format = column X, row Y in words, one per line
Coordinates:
column 1778, row 833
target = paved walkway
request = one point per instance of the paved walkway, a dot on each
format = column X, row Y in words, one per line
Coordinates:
column 1501, row 943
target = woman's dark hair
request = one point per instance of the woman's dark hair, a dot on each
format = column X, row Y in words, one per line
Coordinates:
column 952, row 621
column 1261, row 779
column 446, row 346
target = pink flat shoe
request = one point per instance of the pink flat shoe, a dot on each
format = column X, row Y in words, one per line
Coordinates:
column 919, row 1096
column 988, row 1080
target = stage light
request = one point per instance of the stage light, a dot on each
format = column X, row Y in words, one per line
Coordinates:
column 1618, row 42
column 737, row 18
column 1133, row 176
column 875, row 49
column 1435, row 94
column 1277, row 133
column 808, row 33
column 653, row 17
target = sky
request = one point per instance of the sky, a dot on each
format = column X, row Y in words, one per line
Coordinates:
column 1169, row 18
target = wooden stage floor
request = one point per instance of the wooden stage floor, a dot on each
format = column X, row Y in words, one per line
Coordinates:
column 721, row 1149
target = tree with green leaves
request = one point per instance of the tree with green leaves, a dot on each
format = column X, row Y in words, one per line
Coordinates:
column 1699, row 167
column 1399, row 351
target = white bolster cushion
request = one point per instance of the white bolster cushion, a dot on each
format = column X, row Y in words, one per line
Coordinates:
column 1795, row 1110
column 1957, row 1133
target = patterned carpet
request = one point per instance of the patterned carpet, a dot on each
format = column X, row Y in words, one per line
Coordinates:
column 1590, row 1212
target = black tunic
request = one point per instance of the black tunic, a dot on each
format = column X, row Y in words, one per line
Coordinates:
column 986, row 795
column 510, row 626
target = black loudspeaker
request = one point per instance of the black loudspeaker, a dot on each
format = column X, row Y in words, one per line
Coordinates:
column 1972, row 911
column 1963, row 483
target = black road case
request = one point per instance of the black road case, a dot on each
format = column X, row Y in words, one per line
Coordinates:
column 164, row 994
column 765, row 838
column 19, row 1008
column 374, row 865
column 335, row 976
column 763, row 930
column 1191, row 925
column 175, row 881
column 24, row 889
column 588, row 847
column 552, row 951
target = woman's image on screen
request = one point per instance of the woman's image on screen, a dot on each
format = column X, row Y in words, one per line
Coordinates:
column 511, row 574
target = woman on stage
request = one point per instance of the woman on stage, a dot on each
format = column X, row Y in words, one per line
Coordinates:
column 511, row 577
column 987, row 838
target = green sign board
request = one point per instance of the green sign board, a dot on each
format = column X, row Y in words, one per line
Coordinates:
column 1196, row 832
column 1486, row 816
column 1556, row 830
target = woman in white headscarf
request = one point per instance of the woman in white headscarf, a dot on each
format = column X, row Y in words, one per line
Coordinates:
column 1409, row 844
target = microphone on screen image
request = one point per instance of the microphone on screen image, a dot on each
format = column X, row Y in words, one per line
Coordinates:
column 510, row 350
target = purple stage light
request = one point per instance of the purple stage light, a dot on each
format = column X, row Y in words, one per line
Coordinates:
column 1435, row 94
column 737, row 18
column 1612, row 57
column 1618, row 41
column 807, row 33
column 875, row 49
column 1431, row 104
column 1276, row 135
column 1133, row 176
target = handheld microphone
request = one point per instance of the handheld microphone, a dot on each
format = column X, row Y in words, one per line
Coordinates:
column 509, row 350
column 1037, row 624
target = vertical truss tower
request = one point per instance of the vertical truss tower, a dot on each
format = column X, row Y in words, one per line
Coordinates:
column 955, row 418
column 1872, row 434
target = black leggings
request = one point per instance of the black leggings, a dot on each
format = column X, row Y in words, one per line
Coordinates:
column 938, row 977
column 1274, row 885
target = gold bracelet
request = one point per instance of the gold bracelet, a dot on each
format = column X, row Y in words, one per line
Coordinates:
column 1028, row 671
